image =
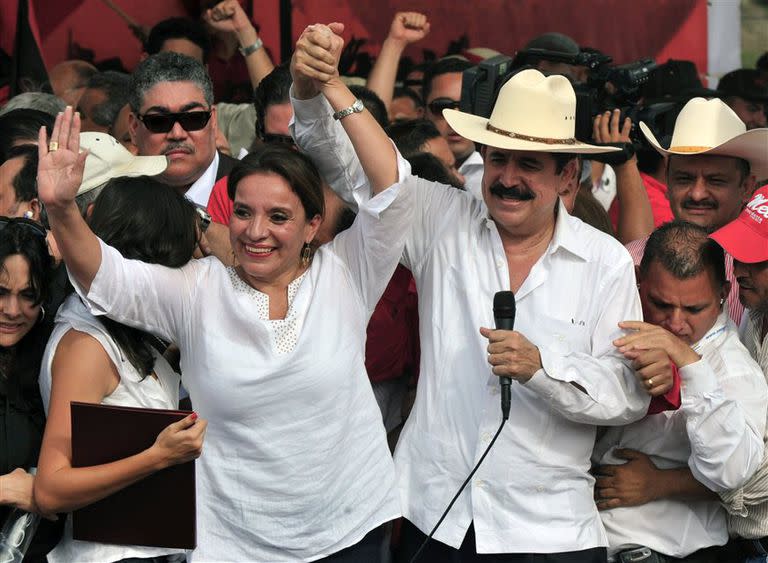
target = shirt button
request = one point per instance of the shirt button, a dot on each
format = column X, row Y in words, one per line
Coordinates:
column 479, row 483
column 540, row 489
column 485, row 437
column 495, row 390
column 499, row 263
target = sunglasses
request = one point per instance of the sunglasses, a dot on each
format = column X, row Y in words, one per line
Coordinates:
column 437, row 105
column 32, row 226
column 278, row 139
column 164, row 122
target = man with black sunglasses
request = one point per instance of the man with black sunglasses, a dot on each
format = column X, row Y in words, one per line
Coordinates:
column 172, row 114
column 442, row 90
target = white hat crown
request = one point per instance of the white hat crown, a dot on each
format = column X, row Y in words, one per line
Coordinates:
column 704, row 124
column 535, row 105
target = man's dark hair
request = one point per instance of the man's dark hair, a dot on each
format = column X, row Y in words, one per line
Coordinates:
column 443, row 66
column 116, row 86
column 25, row 182
column 410, row 136
column 685, row 250
column 272, row 90
column 21, row 126
column 178, row 28
column 428, row 166
column 372, row 103
column 167, row 67
column 403, row 92
column 561, row 159
column 762, row 62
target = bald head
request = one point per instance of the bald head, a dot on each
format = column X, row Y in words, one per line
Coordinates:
column 70, row 78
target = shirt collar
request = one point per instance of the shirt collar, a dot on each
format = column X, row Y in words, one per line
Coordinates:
column 564, row 237
column 200, row 191
column 718, row 328
column 473, row 160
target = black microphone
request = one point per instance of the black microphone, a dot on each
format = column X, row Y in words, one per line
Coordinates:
column 504, row 317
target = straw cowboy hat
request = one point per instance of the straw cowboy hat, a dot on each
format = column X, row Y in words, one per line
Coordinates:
column 710, row 127
column 532, row 113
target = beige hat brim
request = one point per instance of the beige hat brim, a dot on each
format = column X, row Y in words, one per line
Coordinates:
column 137, row 166
column 475, row 129
column 751, row 145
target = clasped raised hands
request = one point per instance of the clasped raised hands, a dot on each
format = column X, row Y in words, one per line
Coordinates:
column 61, row 164
column 315, row 62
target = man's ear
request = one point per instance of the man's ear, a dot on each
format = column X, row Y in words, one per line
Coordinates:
column 569, row 183
column 133, row 125
column 35, row 208
column 725, row 291
column 748, row 189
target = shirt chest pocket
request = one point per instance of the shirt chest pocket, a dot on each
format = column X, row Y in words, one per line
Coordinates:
column 564, row 337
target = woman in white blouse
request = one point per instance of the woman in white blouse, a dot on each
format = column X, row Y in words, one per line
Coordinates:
column 296, row 464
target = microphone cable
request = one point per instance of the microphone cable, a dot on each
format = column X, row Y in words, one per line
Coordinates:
column 456, row 496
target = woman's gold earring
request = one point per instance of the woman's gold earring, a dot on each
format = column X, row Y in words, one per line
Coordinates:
column 306, row 254
column 234, row 259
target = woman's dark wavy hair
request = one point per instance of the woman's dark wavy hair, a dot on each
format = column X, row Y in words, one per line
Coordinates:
column 294, row 167
column 148, row 221
column 23, row 360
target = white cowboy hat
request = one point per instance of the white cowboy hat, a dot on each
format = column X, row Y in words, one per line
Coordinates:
column 532, row 113
column 711, row 127
column 108, row 159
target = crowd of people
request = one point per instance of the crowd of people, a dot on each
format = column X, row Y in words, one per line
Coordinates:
column 312, row 276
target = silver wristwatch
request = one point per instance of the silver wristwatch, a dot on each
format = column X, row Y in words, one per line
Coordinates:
column 357, row 107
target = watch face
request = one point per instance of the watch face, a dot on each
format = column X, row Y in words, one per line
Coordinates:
column 358, row 106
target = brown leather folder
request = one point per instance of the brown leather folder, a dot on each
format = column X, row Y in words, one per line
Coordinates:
column 157, row 511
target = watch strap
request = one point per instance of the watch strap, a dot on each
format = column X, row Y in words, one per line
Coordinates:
column 357, row 107
column 252, row 48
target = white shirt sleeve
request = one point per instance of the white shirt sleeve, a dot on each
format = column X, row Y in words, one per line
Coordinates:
column 723, row 424
column 598, row 388
column 373, row 245
column 324, row 140
column 150, row 297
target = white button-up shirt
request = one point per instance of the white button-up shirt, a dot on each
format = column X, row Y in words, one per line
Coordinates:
column 717, row 433
column 533, row 492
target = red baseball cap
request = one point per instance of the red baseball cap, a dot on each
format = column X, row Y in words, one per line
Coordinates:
column 746, row 237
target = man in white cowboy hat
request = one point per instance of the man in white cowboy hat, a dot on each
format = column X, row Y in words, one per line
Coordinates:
column 746, row 239
column 532, row 497
column 712, row 165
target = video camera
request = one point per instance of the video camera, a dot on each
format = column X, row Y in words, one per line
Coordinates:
column 607, row 87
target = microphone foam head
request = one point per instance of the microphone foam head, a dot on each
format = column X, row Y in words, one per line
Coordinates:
column 504, row 305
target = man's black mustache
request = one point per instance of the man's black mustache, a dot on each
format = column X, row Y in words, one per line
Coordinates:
column 704, row 204
column 514, row 192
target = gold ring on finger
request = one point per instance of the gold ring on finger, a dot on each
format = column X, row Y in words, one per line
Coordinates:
column 53, row 146
column 650, row 382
